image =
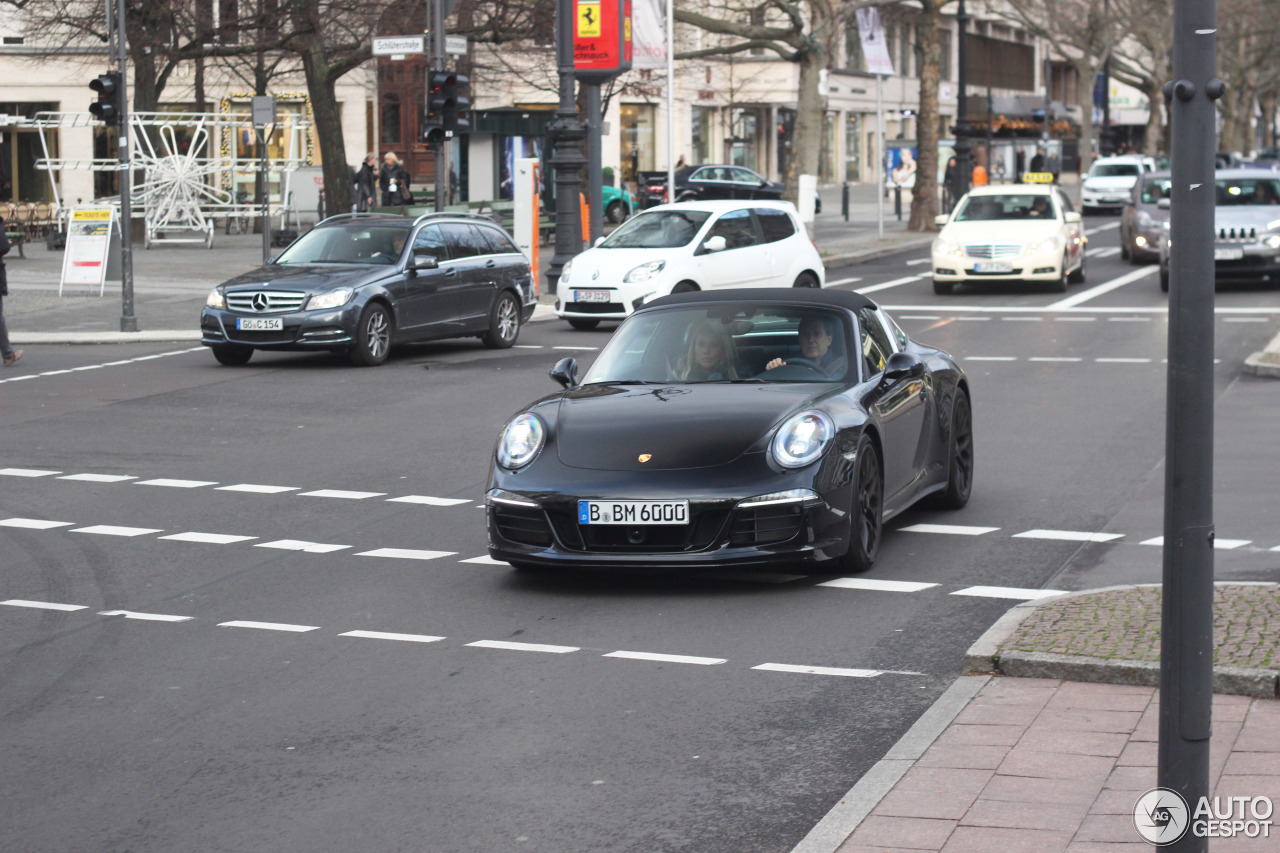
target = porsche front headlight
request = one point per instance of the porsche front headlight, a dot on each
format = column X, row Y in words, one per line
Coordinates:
column 521, row 440
column 802, row 439
column 644, row 272
column 216, row 299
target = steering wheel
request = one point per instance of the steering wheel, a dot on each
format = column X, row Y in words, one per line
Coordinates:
column 805, row 363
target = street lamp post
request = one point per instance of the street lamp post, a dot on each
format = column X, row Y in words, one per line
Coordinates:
column 962, row 129
column 566, row 132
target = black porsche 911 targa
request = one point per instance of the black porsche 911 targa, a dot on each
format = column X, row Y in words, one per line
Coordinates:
column 771, row 429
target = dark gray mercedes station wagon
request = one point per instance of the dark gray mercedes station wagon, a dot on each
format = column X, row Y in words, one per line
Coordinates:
column 358, row 283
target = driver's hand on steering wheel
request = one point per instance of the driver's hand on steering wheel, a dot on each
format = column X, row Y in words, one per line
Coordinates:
column 777, row 362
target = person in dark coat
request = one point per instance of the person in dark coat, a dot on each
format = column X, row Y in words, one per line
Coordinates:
column 1037, row 162
column 367, row 182
column 8, row 353
column 394, row 181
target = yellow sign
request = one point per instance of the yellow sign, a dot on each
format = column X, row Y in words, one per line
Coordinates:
column 1037, row 177
column 588, row 20
column 87, row 215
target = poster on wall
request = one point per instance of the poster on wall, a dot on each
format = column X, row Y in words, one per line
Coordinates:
column 900, row 167
column 88, row 244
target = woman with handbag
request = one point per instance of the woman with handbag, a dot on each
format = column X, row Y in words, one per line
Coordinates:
column 394, row 182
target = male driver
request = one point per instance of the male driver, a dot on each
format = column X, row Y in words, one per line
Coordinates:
column 816, row 335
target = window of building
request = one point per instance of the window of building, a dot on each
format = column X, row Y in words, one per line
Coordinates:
column 390, row 120
column 637, row 139
column 704, row 121
column 853, row 147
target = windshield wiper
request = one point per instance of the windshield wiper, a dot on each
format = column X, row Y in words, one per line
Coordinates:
column 631, row 382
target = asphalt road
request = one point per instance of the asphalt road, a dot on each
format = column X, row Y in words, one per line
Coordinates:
column 273, row 510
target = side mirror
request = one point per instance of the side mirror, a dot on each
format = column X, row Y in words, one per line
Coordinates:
column 715, row 244
column 1164, row 203
column 903, row 365
column 1072, row 216
column 566, row 372
column 424, row 262
column 941, row 219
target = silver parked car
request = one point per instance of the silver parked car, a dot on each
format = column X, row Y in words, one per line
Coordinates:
column 1246, row 243
column 1143, row 218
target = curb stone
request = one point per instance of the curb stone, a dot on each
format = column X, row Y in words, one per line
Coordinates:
column 1266, row 362
column 986, row 658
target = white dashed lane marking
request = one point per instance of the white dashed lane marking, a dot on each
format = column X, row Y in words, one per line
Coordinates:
column 1068, row 535
column 888, row 284
column 114, row 530
column 270, row 626
column 957, row 529
column 382, row 635
column 1008, row 592
column 341, row 494
column 1218, row 544
column 34, row 523
column 146, row 617
column 105, row 364
column 878, row 585
column 427, row 500
column 98, row 478
column 406, row 554
column 43, row 605
column 209, row 538
column 253, row 488
column 176, row 484
column 302, row 545
column 818, row 670
column 523, row 647
column 27, row 472
column 658, row 658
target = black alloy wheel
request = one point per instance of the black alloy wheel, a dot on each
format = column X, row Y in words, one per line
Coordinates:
column 684, row 287
column 373, row 336
column 583, row 325
column 232, row 355
column 960, row 452
column 615, row 212
column 866, row 515
column 1164, row 278
column 504, row 322
column 1060, row 285
column 806, row 279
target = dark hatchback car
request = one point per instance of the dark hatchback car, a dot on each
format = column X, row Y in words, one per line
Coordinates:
column 776, row 428
column 1143, row 218
column 358, row 283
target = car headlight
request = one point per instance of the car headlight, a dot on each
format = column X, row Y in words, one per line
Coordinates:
column 802, row 439
column 521, row 440
column 564, row 272
column 644, row 272
column 947, row 247
column 216, row 299
column 1271, row 241
column 332, row 299
column 1051, row 244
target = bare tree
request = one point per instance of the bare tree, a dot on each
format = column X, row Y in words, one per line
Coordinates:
column 1249, row 62
column 1083, row 32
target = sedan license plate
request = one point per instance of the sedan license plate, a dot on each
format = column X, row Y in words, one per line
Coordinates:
column 633, row 512
column 1228, row 254
column 993, row 267
column 260, row 324
column 591, row 296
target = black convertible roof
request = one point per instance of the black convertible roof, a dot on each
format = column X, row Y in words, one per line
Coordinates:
column 782, row 295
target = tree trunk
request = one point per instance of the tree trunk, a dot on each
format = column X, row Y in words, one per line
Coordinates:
column 924, row 198
column 1086, row 72
column 810, row 123
column 1155, row 119
column 328, row 128
column 146, row 88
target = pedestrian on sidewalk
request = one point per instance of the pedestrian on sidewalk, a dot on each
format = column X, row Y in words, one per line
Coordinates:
column 367, row 182
column 394, row 181
column 8, row 353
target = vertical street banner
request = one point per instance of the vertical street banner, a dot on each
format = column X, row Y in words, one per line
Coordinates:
column 88, row 244
column 648, row 35
column 601, row 39
column 874, row 46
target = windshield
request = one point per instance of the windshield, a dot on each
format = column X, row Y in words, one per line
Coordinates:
column 1114, row 170
column 1233, row 192
column 727, row 343
column 369, row 244
column 1154, row 189
column 986, row 208
column 657, row 229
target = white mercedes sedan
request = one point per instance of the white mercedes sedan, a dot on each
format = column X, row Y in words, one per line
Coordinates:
column 1010, row 232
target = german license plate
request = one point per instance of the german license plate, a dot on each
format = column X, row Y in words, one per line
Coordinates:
column 1228, row 254
column 993, row 267
column 633, row 512
column 260, row 324
column 591, row 296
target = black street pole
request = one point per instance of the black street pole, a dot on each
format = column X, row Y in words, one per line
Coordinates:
column 440, row 156
column 128, row 320
column 566, row 133
column 964, row 166
column 1186, row 643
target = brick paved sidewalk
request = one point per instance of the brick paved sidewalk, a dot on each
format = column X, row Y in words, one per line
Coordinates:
column 1050, row 766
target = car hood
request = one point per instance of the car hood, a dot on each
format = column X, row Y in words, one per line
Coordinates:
column 1111, row 184
column 610, row 427
column 612, row 264
column 1257, row 216
column 314, row 278
column 1000, row 231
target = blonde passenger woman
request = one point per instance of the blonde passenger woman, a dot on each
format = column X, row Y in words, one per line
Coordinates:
column 711, row 355
column 394, row 181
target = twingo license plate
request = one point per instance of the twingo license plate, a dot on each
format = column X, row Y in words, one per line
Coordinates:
column 633, row 512
column 993, row 267
column 591, row 296
column 260, row 324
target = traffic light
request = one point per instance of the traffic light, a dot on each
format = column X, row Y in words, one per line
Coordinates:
column 433, row 121
column 457, row 107
column 110, row 104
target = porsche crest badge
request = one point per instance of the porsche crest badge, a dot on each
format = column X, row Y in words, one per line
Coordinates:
column 645, row 457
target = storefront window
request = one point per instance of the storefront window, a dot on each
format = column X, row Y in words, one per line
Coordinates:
column 744, row 148
column 637, row 152
column 704, row 119
column 827, row 153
